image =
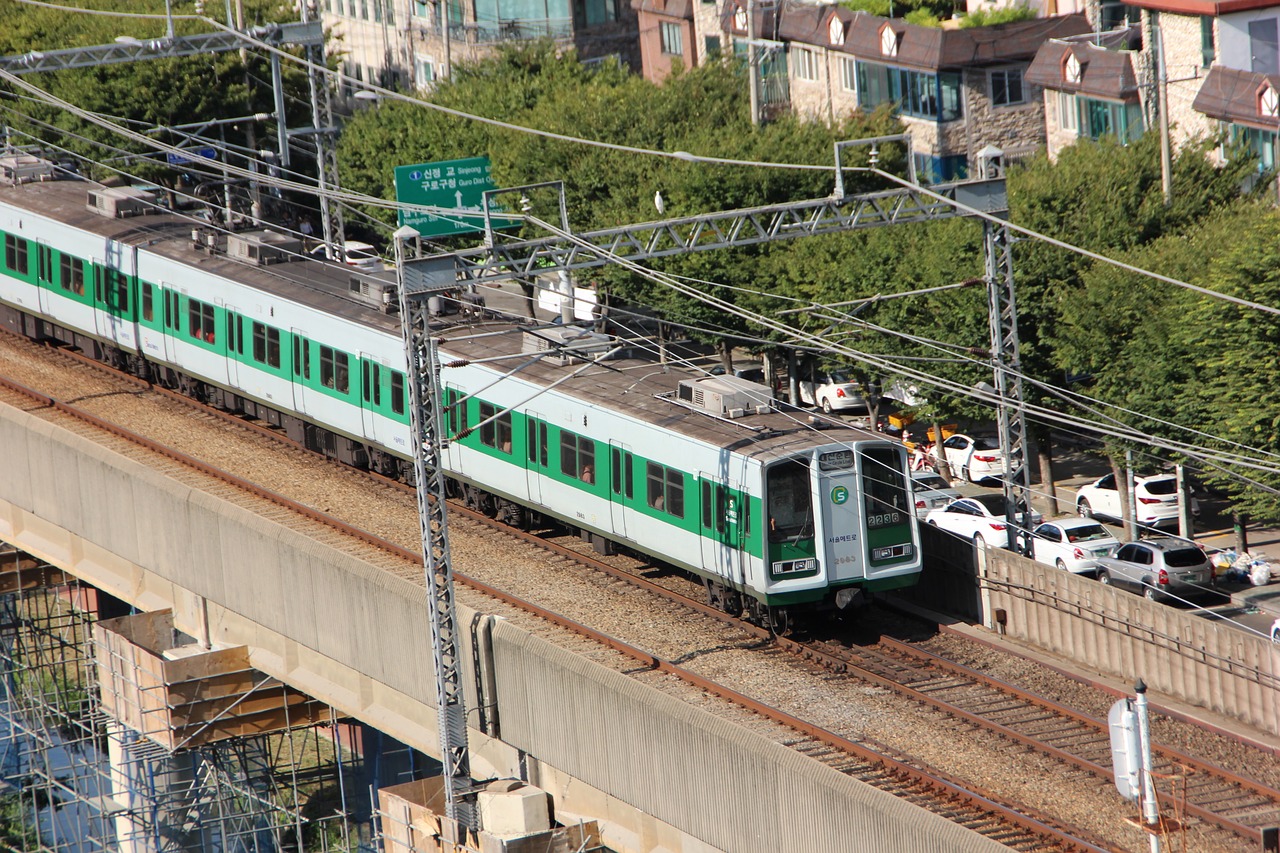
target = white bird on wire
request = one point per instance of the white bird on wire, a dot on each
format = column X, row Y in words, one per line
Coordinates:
column 657, row 202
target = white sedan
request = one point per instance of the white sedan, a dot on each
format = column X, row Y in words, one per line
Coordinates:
column 833, row 392
column 972, row 458
column 980, row 518
column 1073, row 544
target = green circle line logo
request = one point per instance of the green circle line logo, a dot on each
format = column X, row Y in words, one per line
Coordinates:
column 839, row 494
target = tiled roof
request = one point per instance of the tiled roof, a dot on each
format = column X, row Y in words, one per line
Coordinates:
column 925, row 48
column 1103, row 73
column 1236, row 96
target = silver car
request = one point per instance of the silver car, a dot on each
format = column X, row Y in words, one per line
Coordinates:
column 1156, row 567
column 931, row 491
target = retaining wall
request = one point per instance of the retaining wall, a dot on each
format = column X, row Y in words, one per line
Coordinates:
column 1174, row 651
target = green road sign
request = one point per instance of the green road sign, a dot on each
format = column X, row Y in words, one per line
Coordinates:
column 458, row 185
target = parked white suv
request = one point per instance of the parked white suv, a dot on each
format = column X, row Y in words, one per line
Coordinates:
column 1155, row 501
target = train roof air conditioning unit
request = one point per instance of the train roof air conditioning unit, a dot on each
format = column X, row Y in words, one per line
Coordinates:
column 725, row 396
column 23, row 169
column 376, row 291
column 120, row 202
column 571, row 344
column 263, row 247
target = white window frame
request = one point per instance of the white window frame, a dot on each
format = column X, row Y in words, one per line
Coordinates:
column 805, row 62
column 1022, row 85
column 424, row 70
column 849, row 74
column 667, row 30
column 1068, row 112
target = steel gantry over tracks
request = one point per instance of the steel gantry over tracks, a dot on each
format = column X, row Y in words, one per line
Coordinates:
column 424, row 277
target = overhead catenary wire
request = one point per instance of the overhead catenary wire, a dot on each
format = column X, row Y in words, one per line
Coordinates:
column 357, row 198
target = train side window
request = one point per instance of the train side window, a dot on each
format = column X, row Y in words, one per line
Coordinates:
column 628, row 475
column 542, row 444
column 665, row 489
column 568, row 453
column 495, row 433
column 266, row 345
column 577, row 457
column 200, row 316
column 148, row 297
column 72, row 274
column 301, row 357
column 722, row 508
column 377, row 384
column 615, row 470
column 15, row 254
column 334, row 370
column 366, row 388
column 397, row 392
column 532, row 431
column 706, row 504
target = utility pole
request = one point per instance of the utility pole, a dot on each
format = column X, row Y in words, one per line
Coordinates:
column 753, row 60
column 1162, row 84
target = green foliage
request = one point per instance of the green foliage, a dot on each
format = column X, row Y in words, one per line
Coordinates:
column 926, row 13
column 152, row 93
column 922, row 18
column 993, row 17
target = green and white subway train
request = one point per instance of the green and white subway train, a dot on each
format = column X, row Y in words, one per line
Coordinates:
column 778, row 517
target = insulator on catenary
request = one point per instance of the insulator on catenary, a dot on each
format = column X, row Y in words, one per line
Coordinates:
column 462, row 362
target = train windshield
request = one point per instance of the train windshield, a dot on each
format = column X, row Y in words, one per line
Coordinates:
column 790, row 503
column 885, row 487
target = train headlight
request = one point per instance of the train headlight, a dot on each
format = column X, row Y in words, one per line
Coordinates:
column 791, row 567
column 892, row 552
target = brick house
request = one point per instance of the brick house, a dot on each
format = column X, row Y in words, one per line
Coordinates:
column 956, row 90
column 1090, row 87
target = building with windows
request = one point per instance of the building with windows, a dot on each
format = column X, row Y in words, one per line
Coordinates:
column 1219, row 60
column 956, row 90
column 406, row 43
column 669, row 37
column 1090, row 86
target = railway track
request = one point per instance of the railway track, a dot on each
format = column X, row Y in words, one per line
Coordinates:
column 1233, row 803
column 1011, row 824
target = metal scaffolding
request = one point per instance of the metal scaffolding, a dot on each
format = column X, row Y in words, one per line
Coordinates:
column 73, row 779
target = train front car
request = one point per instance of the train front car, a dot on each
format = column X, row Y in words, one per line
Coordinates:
column 839, row 526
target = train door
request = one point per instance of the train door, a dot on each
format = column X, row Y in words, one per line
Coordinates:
column 724, row 527
column 172, row 321
column 235, row 344
column 370, row 394
column 44, row 278
column 839, row 509
column 111, row 291
column 622, row 485
column 302, row 392
column 535, row 454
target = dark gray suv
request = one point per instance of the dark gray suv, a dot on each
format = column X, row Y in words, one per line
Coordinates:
column 1158, row 566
